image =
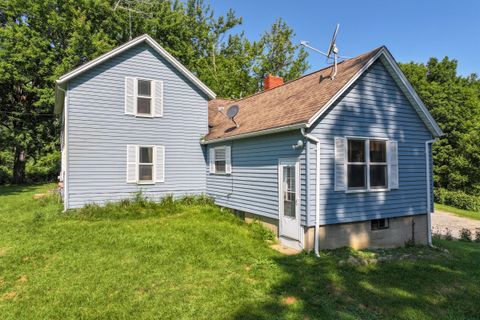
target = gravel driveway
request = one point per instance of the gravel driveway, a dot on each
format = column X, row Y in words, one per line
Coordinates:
column 443, row 221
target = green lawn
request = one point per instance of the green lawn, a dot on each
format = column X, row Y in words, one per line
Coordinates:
column 459, row 212
column 197, row 262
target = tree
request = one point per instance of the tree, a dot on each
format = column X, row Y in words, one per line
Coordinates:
column 279, row 55
column 454, row 102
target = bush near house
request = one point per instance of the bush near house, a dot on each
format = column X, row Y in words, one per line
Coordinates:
column 457, row 199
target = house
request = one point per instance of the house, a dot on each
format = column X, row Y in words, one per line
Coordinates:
column 324, row 163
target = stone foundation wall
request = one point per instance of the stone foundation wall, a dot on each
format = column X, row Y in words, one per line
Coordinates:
column 359, row 235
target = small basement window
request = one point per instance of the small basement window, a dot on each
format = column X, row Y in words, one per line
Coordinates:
column 380, row 224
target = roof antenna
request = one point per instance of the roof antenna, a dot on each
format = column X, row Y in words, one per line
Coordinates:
column 332, row 51
column 127, row 6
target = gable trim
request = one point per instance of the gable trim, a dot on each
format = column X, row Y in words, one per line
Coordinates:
column 406, row 88
column 144, row 38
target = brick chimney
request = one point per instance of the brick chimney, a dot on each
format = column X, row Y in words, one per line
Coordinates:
column 271, row 82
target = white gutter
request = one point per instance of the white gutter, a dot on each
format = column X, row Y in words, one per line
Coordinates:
column 317, row 188
column 256, row 133
column 429, row 208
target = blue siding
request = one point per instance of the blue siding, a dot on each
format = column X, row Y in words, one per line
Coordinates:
column 99, row 131
column 373, row 107
column 253, row 185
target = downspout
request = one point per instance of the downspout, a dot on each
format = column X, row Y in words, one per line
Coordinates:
column 429, row 208
column 65, row 136
column 317, row 188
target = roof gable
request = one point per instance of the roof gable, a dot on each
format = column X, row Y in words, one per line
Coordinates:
column 299, row 103
column 61, row 82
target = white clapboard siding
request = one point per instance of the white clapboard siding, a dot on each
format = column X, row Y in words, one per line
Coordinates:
column 130, row 95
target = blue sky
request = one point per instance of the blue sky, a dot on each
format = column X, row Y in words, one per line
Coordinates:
column 412, row 30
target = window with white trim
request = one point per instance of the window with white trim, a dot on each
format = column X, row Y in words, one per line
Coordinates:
column 220, row 160
column 367, row 165
column 144, row 97
column 145, row 164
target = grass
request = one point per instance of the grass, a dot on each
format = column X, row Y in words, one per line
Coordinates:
column 191, row 260
column 459, row 212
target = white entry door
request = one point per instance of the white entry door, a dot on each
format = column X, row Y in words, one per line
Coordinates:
column 289, row 201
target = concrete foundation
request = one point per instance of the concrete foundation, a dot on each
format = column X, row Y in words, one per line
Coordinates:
column 359, row 235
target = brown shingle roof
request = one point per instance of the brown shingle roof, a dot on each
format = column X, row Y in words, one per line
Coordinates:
column 294, row 102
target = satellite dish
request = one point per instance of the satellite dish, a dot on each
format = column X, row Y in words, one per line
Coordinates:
column 232, row 112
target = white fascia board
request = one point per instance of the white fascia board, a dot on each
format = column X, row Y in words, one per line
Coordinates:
column 149, row 40
column 406, row 87
column 256, row 133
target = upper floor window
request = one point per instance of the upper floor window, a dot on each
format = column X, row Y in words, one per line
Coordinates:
column 144, row 97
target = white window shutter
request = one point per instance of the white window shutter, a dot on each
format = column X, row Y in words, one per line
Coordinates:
column 130, row 95
column 211, row 159
column 393, row 180
column 159, row 158
column 340, row 172
column 157, row 89
column 228, row 159
column 132, row 161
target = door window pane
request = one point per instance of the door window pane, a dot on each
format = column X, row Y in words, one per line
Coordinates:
column 378, row 176
column 356, row 151
column 144, row 88
column 356, row 176
column 378, row 151
column 143, row 105
column 289, row 191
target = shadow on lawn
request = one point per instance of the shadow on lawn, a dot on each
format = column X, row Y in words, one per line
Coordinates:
column 8, row 190
column 320, row 289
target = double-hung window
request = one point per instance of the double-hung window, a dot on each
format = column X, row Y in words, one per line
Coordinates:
column 145, row 164
column 220, row 160
column 144, row 97
column 365, row 164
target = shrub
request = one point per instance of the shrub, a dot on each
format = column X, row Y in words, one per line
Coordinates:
column 477, row 235
column 448, row 235
column 457, row 199
column 465, row 235
column 44, row 169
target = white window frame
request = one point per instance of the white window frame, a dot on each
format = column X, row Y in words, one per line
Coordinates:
column 226, row 173
column 368, row 188
column 154, row 164
column 151, row 97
